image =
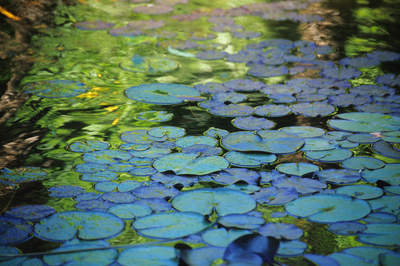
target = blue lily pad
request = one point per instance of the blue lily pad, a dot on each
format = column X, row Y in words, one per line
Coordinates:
column 152, row 66
column 94, row 205
column 21, row 175
column 245, row 85
column 340, row 73
column 304, row 131
column 281, row 231
column 386, row 149
column 151, row 152
column 161, row 93
column 389, row 173
column 119, row 197
column 169, row 132
column 252, row 123
column 231, row 110
column 241, row 221
column 120, row 167
column 203, row 149
column 143, row 171
column 318, row 144
column 130, row 211
column 389, row 79
column 190, row 163
column 204, row 201
column 137, row 161
column 99, row 176
column 387, row 203
column 106, row 156
column 211, row 88
column 156, row 204
column 274, row 196
column 105, row 186
column 233, row 175
column 160, row 256
column 268, row 141
column 56, row 88
column 347, row 228
column 360, row 61
column 88, row 146
column 326, row 208
column 360, row 191
column 381, row 234
column 362, row 162
column 93, row 257
column 65, row 191
column 297, row 169
column 170, row 225
column 222, row 237
column 14, row 230
column 87, row 168
column 138, row 136
column 339, row 176
column 380, row 218
column 154, row 116
column 371, row 254
column 170, row 180
column 313, row 109
column 373, row 90
column 321, row 260
column 193, row 140
column 155, row 190
column 346, row 100
column 202, row 256
column 128, row 185
column 392, row 189
column 216, row 132
column 265, row 71
column 291, row 248
column 272, row 110
column 343, row 259
column 31, row 212
column 231, row 97
column 301, row 185
column 65, row 226
column 329, row 156
column 242, row 159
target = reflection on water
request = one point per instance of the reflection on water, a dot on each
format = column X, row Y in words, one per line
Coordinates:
column 110, row 46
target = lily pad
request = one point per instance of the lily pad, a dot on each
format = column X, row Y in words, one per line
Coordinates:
column 14, row 231
column 193, row 140
column 291, row 248
column 231, row 110
column 339, row 176
column 347, row 228
column 362, row 162
column 130, row 210
column 390, row 173
column 190, row 164
column 297, row 169
column 106, row 156
column 252, row 123
column 223, row 201
column 300, row 184
column 221, row 237
column 160, row 256
column 161, row 93
column 242, row 159
column 241, row 221
column 313, row 109
column 154, row 116
column 152, row 66
column 170, row 225
column 31, row 212
column 272, row 110
column 65, row 226
column 304, row 131
column 56, row 88
column 386, row 149
column 21, row 175
column 381, row 234
column 275, row 196
column 329, row 156
column 281, row 231
column 326, row 208
column 202, row 256
column 88, row 146
column 360, row 191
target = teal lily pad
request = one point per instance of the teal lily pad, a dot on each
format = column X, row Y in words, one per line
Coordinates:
column 362, row 162
column 297, row 169
column 154, row 116
column 387, row 203
column 381, row 234
column 88, row 145
column 291, row 248
column 264, row 141
column 242, row 159
column 360, row 191
column 21, row 175
column 304, row 131
column 86, row 225
column 329, row 156
column 170, row 225
column 386, row 149
column 221, row 237
column 190, row 164
column 193, row 140
column 327, row 208
column 168, row 132
column 149, row 255
column 390, row 173
column 241, row 221
column 318, row 144
column 152, row 66
column 161, row 93
column 130, row 210
column 224, row 201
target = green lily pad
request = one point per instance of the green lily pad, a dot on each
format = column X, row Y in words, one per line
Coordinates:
column 204, row 201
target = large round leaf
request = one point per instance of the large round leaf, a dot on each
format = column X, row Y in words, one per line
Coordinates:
column 204, row 201
column 381, row 234
column 86, row 225
column 170, row 225
column 161, row 93
column 148, row 255
column 326, row 208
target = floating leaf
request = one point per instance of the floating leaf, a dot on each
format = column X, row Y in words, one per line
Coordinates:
column 56, row 88
column 154, row 116
column 325, row 208
column 380, row 218
column 339, row 176
column 223, row 201
column 242, row 159
column 152, row 66
column 130, row 211
column 231, row 110
column 161, row 93
column 272, row 110
column 321, row 260
column 65, row 191
column 169, row 132
column 193, row 140
column 274, row 196
column 381, row 234
column 21, row 175
column 329, row 156
column 291, row 248
column 304, row 131
column 170, row 225
column 360, row 191
column 347, row 228
column 221, row 237
column 202, row 256
column 31, row 212
column 386, row 149
column 362, row 162
column 281, row 231
column 88, row 146
column 155, row 190
column 160, row 256
column 313, row 109
column 252, row 123
column 14, row 230
column 389, row 173
column 241, row 221
column 297, row 169
column 86, row 225
column 106, row 156
column 301, row 185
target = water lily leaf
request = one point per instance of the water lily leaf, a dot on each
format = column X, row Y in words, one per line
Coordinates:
column 152, row 66
column 371, row 254
column 341, row 73
column 155, row 190
column 346, row 100
column 313, row 109
column 223, row 201
column 31, row 212
column 304, row 131
column 90, row 167
column 88, row 146
column 202, row 256
column 203, row 149
column 360, row 191
column 93, row 257
column 193, row 140
column 329, row 156
column 274, row 196
column 265, row 71
column 170, row 180
column 56, row 88
column 160, row 256
column 245, row 85
column 380, row 218
column 94, row 205
column 272, row 110
column 190, row 164
column 241, row 221
column 106, row 156
column 347, row 228
column 265, row 141
column 291, row 248
column 21, row 175
column 339, row 176
column 252, row 249
column 138, row 136
column 120, row 167
column 390, row 173
column 170, row 225
column 297, row 169
column 231, row 97
column 242, row 159
column 99, row 176
column 392, row 189
column 211, row 88
column 281, row 231
column 343, row 259
column 387, row 203
column 362, row 162
column 169, row 132
column 301, row 185
column 14, row 230
column 156, row 204
column 389, row 79
column 65, row 226
column 105, row 186
column 143, row 171
column 65, row 191
column 321, row 260
column 318, row 144
column 128, row 185
column 231, row 110
column 326, row 208
column 130, row 211
column 119, row 197
column 161, row 93
column 154, row 116
column 222, row 237
column 211, row 55
column 252, row 123
column 232, row 175
column 386, row 149
column 216, row 132
column 381, row 234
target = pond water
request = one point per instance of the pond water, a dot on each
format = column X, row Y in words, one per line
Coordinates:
column 183, row 131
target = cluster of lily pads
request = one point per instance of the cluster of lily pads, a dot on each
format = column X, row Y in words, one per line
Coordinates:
column 210, row 191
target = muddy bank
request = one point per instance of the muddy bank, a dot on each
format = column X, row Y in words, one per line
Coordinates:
column 19, row 21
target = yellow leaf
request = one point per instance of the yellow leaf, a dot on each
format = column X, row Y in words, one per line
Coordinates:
column 116, row 120
column 111, row 108
column 9, row 14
